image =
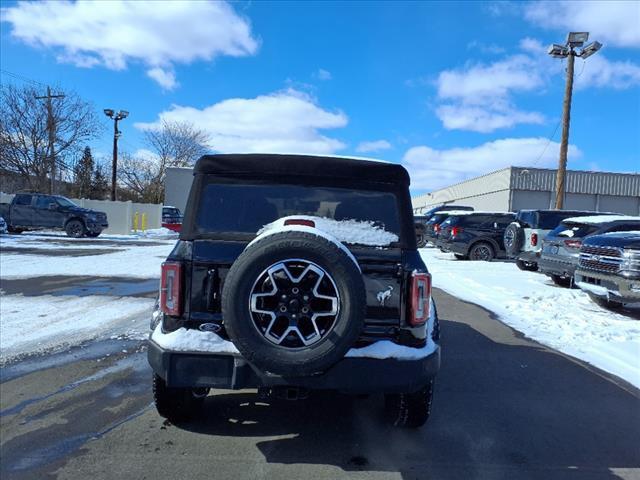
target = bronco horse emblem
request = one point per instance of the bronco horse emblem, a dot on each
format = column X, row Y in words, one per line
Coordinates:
column 384, row 295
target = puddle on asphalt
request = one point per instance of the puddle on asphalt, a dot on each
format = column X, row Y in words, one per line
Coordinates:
column 81, row 286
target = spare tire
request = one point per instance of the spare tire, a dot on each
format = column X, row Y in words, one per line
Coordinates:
column 293, row 303
column 513, row 239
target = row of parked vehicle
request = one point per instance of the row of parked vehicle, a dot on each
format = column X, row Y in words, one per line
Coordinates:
column 597, row 252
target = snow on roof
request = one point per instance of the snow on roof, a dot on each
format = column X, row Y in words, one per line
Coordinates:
column 598, row 219
column 472, row 212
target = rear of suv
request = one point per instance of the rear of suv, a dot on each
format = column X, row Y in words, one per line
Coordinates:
column 523, row 237
column 561, row 247
column 293, row 274
column 475, row 235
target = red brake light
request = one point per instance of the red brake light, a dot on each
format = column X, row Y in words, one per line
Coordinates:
column 300, row 221
column 573, row 243
column 534, row 239
column 436, row 227
column 456, row 230
column 420, row 298
column 171, row 288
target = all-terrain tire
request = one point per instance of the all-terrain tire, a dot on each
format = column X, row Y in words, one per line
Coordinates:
column 254, row 343
column 482, row 251
column 562, row 281
column 527, row 266
column 513, row 239
column 410, row 410
column 421, row 241
column 75, row 229
column 177, row 404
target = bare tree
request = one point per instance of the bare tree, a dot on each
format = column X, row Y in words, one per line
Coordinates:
column 24, row 137
column 174, row 144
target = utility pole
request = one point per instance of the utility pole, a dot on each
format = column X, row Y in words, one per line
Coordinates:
column 121, row 115
column 568, row 51
column 51, row 128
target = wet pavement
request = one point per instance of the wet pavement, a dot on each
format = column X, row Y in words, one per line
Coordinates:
column 505, row 407
column 81, row 286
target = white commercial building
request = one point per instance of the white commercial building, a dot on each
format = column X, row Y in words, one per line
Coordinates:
column 515, row 188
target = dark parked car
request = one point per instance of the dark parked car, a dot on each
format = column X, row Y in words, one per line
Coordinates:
column 434, row 224
column 476, row 235
column 609, row 268
column 443, row 208
column 523, row 238
column 37, row 211
column 561, row 247
column 296, row 273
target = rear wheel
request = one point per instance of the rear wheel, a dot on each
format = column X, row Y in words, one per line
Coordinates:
column 177, row 404
column 75, row 229
column 482, row 251
column 561, row 281
column 606, row 303
column 409, row 410
column 527, row 266
column 421, row 241
column 15, row 231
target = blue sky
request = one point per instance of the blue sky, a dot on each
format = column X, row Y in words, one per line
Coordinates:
column 450, row 90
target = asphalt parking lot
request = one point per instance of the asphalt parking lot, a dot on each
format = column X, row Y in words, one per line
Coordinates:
column 505, row 407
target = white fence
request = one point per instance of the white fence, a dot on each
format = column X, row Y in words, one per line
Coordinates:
column 119, row 214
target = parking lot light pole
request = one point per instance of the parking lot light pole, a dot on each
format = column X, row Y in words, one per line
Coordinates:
column 121, row 115
column 568, row 51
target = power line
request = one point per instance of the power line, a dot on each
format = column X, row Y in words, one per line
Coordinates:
column 23, row 78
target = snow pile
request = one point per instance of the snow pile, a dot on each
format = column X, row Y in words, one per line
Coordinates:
column 38, row 324
column 562, row 318
column 347, row 231
column 598, row 219
column 161, row 232
column 191, row 340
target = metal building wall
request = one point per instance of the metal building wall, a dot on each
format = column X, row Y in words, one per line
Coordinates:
column 177, row 184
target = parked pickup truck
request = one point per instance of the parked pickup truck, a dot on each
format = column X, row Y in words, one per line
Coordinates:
column 609, row 268
column 35, row 211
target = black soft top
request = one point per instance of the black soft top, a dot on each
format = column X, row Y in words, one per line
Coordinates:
column 268, row 164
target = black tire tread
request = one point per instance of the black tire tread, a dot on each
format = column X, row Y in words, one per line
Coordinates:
column 409, row 410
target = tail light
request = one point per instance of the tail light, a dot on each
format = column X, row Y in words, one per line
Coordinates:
column 300, row 221
column 420, row 298
column 573, row 243
column 534, row 239
column 171, row 288
column 436, row 227
column 456, row 230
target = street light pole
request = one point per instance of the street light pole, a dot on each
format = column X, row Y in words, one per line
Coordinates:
column 121, row 115
column 564, row 143
column 568, row 51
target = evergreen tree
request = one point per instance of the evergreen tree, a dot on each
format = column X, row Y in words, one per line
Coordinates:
column 99, row 183
column 83, row 174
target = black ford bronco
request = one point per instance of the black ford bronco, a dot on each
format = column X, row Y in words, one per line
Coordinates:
column 292, row 274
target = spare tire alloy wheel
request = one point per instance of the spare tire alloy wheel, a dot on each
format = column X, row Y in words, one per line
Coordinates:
column 513, row 239
column 293, row 303
column 293, row 312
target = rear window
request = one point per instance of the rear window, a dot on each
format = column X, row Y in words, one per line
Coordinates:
column 234, row 208
column 437, row 218
column 571, row 230
column 550, row 220
column 23, row 200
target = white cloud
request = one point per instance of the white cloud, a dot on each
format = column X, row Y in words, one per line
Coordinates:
column 165, row 78
column 598, row 71
column 490, row 48
column 478, row 97
column 431, row 169
column 616, row 23
column 112, row 34
column 323, row 74
column 373, row 146
column 287, row 121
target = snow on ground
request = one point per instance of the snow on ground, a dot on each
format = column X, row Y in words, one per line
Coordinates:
column 562, row 318
column 127, row 259
column 37, row 324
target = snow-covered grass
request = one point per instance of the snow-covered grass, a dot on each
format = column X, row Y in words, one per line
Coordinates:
column 35, row 324
column 562, row 318
column 127, row 260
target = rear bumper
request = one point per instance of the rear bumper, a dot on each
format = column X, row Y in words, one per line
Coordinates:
column 553, row 267
column 351, row 375
column 610, row 286
column 529, row 256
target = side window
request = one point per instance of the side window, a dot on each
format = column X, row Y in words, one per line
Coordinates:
column 23, row 200
column 526, row 219
column 624, row 227
column 43, row 201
